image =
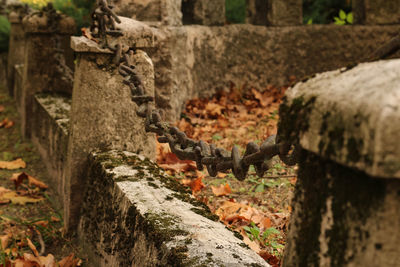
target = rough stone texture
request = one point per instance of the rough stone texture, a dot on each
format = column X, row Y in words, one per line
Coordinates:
column 342, row 217
column 133, row 215
column 165, row 12
column 285, row 12
column 351, row 117
column 136, row 34
column 45, row 68
column 256, row 12
column 102, row 116
column 16, row 48
column 18, row 73
column 50, row 134
column 3, row 68
column 203, row 12
column 195, row 61
column 376, row 11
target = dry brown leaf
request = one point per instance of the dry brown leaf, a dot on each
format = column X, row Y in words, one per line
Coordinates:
column 36, row 182
column 222, row 190
column 18, row 179
column 47, row 261
column 32, row 247
column 214, row 109
column 9, row 124
column 87, row 34
column 42, row 223
column 70, row 261
column 54, row 219
column 21, row 200
column 4, row 241
column 12, row 165
column 1, row 108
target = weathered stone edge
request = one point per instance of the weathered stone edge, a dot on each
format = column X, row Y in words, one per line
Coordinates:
column 167, row 224
column 345, row 126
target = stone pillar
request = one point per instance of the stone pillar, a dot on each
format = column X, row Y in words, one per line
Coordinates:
column 347, row 198
column 203, row 12
column 103, row 116
column 16, row 47
column 284, row 12
column 166, row 12
column 44, row 63
column 256, row 12
column 373, row 12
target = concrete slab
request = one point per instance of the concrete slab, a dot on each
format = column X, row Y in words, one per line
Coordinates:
column 349, row 116
column 50, row 128
column 135, row 215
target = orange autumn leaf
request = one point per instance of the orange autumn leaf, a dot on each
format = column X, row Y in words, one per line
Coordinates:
column 197, row 184
column 1, row 108
column 4, row 239
column 12, row 165
column 70, row 261
column 9, row 124
column 18, row 179
column 221, row 190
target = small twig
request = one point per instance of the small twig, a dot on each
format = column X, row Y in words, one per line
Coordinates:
column 41, row 242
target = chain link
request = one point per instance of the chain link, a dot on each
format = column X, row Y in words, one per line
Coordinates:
column 205, row 155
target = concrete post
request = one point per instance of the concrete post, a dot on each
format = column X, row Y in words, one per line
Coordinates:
column 203, row 12
column 103, row 116
column 44, row 65
column 165, row 12
column 346, row 202
column 16, row 47
column 376, row 12
column 285, row 12
column 256, row 12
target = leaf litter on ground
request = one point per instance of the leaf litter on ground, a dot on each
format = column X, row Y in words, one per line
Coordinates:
column 31, row 227
column 258, row 209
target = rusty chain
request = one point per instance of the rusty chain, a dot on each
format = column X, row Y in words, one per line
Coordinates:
column 204, row 154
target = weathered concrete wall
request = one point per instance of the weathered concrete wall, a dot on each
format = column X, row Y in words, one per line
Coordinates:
column 3, row 68
column 134, row 215
column 342, row 217
column 203, row 12
column 103, row 116
column 16, row 48
column 375, row 12
column 42, row 50
column 345, row 208
column 50, row 127
column 164, row 12
column 195, row 61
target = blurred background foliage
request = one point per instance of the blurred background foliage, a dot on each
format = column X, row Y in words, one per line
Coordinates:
column 315, row 11
column 4, row 33
column 324, row 11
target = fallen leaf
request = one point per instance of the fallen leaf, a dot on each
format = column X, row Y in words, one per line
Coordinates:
column 271, row 259
column 37, row 182
column 2, row 191
column 42, row 223
column 12, row 165
column 1, row 108
column 221, row 190
column 69, row 261
column 32, row 247
column 87, row 34
column 47, row 261
column 18, row 179
column 21, row 200
column 4, row 241
column 54, row 219
column 9, row 124
column 194, row 184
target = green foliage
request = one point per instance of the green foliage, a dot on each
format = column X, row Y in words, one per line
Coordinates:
column 4, row 33
column 323, row 11
column 269, row 237
column 235, row 11
column 344, row 18
column 79, row 10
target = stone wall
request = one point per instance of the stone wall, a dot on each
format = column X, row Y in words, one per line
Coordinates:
column 193, row 61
